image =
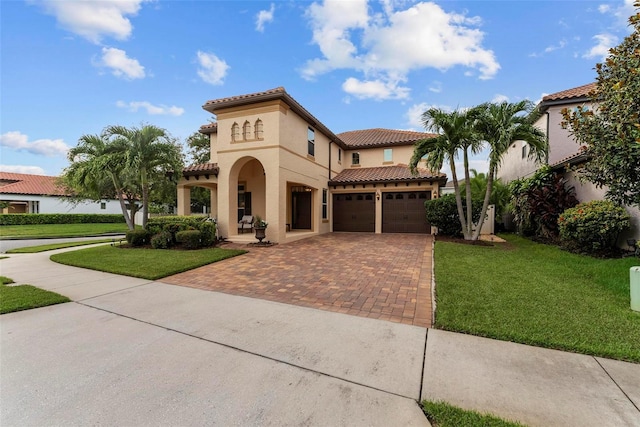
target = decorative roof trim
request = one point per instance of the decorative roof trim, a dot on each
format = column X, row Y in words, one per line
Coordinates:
column 201, row 169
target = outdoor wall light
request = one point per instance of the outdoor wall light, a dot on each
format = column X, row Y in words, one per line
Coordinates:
column 378, row 195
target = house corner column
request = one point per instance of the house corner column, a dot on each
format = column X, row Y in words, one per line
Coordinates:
column 184, row 200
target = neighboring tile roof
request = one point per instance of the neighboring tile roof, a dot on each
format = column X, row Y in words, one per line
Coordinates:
column 382, row 137
column 580, row 157
column 201, row 169
column 269, row 95
column 576, row 92
column 20, row 183
column 209, row 128
column 396, row 173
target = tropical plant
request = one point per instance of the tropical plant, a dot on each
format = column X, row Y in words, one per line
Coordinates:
column 499, row 125
column 259, row 222
column 97, row 170
column 610, row 131
column 593, row 227
column 455, row 133
column 539, row 200
column 149, row 154
column 500, row 194
column 199, row 152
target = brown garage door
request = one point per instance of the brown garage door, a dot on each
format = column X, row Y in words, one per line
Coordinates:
column 404, row 212
column 354, row 212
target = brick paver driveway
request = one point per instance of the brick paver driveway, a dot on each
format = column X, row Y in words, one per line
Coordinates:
column 383, row 276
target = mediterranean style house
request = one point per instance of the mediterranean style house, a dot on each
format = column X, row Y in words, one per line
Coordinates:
column 565, row 153
column 27, row 193
column 271, row 158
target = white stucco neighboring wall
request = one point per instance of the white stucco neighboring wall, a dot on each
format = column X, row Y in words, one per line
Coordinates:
column 51, row 204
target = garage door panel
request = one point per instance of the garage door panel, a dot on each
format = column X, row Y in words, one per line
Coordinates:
column 404, row 212
column 354, row 212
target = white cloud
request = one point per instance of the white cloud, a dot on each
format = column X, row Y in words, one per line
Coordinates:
column 620, row 13
column 94, row 20
column 499, row 98
column 375, row 89
column 32, row 170
column 436, row 87
column 561, row 44
column 161, row 109
column 17, row 141
column 604, row 42
column 604, row 8
column 212, row 69
column 414, row 114
column 263, row 17
column 120, row 64
column 386, row 46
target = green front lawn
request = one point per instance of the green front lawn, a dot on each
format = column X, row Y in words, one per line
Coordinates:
column 59, row 230
column 441, row 414
column 144, row 263
column 25, row 297
column 54, row 246
column 539, row 295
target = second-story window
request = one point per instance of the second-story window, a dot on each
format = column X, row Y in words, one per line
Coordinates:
column 355, row 158
column 246, row 130
column 388, row 155
column 524, row 151
column 235, row 132
column 311, row 142
column 258, row 129
column 339, row 155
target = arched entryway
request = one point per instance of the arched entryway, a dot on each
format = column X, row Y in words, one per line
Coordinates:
column 247, row 190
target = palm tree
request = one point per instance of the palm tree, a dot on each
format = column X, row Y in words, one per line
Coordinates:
column 455, row 132
column 499, row 125
column 96, row 171
column 149, row 153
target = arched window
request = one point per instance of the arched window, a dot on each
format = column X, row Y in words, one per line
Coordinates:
column 235, row 132
column 246, row 130
column 258, row 129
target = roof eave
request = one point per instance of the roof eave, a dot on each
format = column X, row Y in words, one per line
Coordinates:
column 439, row 179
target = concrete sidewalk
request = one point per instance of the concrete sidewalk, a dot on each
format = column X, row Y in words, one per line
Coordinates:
column 136, row 352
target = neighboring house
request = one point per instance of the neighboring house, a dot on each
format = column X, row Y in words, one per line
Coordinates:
column 565, row 153
column 24, row 193
column 271, row 157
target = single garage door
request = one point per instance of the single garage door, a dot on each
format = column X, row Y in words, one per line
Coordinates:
column 404, row 212
column 354, row 212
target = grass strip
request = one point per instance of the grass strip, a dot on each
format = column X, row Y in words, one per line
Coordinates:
column 25, row 297
column 537, row 294
column 442, row 414
column 59, row 230
column 54, row 246
column 149, row 264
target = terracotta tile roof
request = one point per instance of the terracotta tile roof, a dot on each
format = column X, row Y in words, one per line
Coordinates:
column 396, row 173
column 382, row 137
column 20, row 183
column 201, row 169
column 576, row 92
column 580, row 157
column 268, row 95
column 209, row 128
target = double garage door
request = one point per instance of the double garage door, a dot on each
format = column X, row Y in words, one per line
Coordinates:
column 402, row 212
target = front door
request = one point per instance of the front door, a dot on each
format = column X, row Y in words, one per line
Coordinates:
column 301, row 205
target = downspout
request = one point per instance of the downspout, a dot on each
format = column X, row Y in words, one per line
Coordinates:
column 330, row 142
column 548, row 146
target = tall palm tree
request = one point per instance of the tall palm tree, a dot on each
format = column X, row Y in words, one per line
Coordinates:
column 97, row 170
column 500, row 125
column 149, row 152
column 455, row 132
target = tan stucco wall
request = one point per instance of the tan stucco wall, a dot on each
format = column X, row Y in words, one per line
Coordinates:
column 374, row 157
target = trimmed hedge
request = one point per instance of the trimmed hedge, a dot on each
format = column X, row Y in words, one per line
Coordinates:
column 138, row 237
column 178, row 224
column 190, row 239
column 592, row 227
column 162, row 240
column 443, row 213
column 31, row 219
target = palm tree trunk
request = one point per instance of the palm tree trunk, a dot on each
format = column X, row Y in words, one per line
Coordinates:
column 485, row 204
column 123, row 205
column 456, row 188
column 468, row 230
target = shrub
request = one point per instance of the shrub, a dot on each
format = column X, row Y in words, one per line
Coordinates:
column 138, row 237
column 593, row 227
column 443, row 213
column 174, row 224
column 538, row 201
column 190, row 239
column 32, row 219
column 208, row 233
column 162, row 240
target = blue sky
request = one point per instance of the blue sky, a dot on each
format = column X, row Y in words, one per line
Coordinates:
column 70, row 68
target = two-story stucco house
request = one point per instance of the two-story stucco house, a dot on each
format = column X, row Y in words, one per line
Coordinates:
column 271, row 157
column 565, row 153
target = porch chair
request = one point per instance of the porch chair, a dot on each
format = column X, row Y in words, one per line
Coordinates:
column 246, row 223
